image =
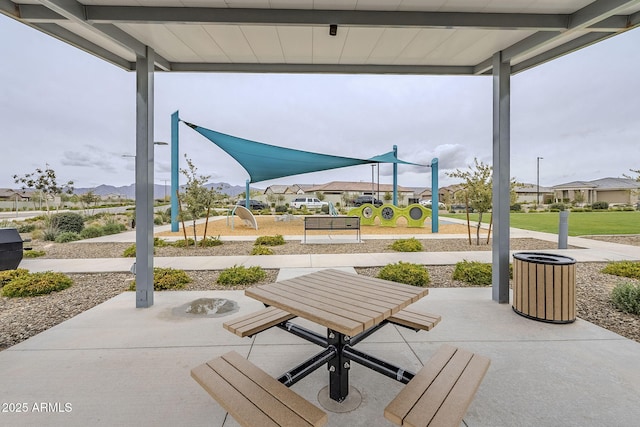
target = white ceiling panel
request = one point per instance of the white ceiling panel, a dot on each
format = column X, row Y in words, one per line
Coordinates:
column 447, row 36
column 422, row 45
column 296, row 44
column 200, row 41
column 232, row 41
column 163, row 41
column 359, row 44
column 264, row 42
column 378, row 4
column 391, row 44
column 327, row 49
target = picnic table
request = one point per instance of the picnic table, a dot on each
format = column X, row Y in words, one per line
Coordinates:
column 351, row 307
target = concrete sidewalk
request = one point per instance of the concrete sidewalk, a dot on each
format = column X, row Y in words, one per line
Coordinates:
column 593, row 251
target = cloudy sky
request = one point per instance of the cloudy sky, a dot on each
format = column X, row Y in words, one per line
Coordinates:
column 76, row 113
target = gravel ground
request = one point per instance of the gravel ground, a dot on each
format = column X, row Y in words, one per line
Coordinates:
column 22, row 318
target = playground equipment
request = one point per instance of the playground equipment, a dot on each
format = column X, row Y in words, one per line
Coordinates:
column 388, row 215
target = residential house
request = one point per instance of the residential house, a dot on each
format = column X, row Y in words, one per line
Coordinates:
column 282, row 194
column 532, row 193
column 615, row 191
column 344, row 192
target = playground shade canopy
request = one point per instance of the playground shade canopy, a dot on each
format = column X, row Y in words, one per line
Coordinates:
column 264, row 161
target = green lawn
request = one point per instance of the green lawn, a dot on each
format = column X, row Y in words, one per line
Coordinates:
column 580, row 223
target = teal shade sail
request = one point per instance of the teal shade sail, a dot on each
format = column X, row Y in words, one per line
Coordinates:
column 264, row 161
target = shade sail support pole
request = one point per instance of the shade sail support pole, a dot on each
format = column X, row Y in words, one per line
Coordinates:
column 395, row 177
column 175, row 178
column 434, row 195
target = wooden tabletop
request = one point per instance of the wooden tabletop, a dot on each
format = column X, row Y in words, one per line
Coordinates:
column 344, row 302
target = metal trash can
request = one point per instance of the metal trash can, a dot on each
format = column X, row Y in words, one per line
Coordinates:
column 544, row 287
column 11, row 247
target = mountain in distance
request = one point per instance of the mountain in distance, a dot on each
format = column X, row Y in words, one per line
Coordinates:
column 159, row 190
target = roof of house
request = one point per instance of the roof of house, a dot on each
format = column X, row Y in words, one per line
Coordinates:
column 355, row 187
column 532, row 188
column 601, row 184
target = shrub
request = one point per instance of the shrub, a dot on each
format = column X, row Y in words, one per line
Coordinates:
column 240, row 275
column 626, row 297
column 324, row 209
column 67, row 221
column 166, row 278
column 50, row 233
column 67, row 236
column 623, row 268
column 270, row 240
column 113, row 228
column 160, row 243
column 281, row 209
column 473, row 272
column 261, row 250
column 33, row 254
column 184, row 243
column 130, row 252
column 7, row 276
column 33, row 284
column 516, row 207
column 405, row 272
column 210, row 241
column 600, row 205
column 557, row 207
column 26, row 228
column 407, row 245
column 91, row 232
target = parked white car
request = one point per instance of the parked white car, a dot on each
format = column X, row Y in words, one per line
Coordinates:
column 427, row 204
column 308, row 202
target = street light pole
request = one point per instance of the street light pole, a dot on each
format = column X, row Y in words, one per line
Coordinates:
column 538, row 180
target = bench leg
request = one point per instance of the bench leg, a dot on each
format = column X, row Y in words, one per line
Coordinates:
column 338, row 368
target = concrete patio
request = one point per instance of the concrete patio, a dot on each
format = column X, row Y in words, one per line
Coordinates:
column 117, row 365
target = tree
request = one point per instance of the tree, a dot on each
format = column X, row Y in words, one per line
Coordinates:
column 87, row 199
column 45, row 182
column 477, row 192
column 196, row 197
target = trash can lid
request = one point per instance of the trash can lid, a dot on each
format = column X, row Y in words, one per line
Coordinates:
column 544, row 258
column 9, row 235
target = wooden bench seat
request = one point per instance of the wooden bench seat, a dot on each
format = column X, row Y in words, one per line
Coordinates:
column 441, row 392
column 415, row 320
column 253, row 323
column 252, row 396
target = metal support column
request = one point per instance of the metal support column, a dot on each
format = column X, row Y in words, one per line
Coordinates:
column 144, row 179
column 501, row 177
column 175, row 178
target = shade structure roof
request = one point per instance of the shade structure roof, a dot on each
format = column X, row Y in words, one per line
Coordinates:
column 292, row 36
column 264, row 161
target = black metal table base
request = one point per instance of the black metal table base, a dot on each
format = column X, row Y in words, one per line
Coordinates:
column 338, row 354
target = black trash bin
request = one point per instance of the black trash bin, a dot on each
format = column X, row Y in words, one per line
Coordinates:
column 11, row 247
column 544, row 287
